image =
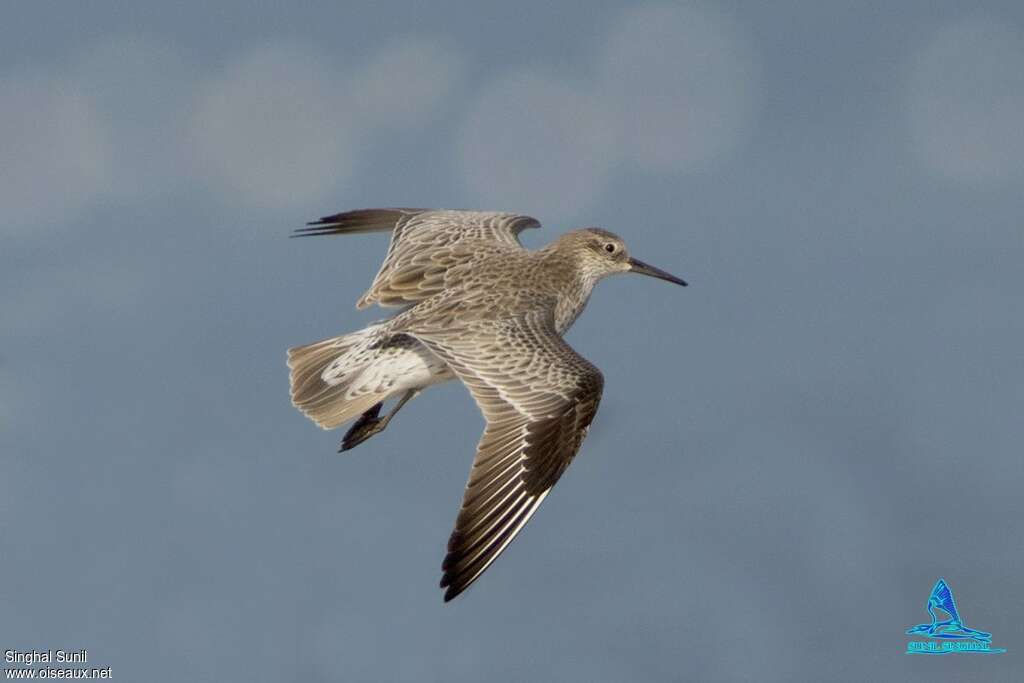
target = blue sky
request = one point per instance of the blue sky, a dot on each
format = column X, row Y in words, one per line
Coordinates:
column 788, row 455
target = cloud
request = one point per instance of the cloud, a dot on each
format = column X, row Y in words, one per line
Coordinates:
column 964, row 99
column 273, row 129
column 682, row 82
column 130, row 118
column 281, row 127
column 56, row 150
column 141, row 88
column 407, row 82
column 534, row 142
column 672, row 91
column 102, row 127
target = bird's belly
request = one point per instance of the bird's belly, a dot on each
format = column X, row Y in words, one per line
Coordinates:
column 397, row 370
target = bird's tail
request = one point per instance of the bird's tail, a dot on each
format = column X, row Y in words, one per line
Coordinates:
column 323, row 378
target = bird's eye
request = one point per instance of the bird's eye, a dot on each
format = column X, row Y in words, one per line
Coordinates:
column 610, row 248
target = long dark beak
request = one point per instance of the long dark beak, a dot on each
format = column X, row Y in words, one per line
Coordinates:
column 637, row 266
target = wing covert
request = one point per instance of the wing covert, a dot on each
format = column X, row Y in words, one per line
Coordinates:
column 425, row 245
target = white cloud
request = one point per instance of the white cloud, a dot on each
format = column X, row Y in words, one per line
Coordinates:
column 407, row 82
column 682, row 81
column 142, row 88
column 278, row 127
column 965, row 102
column 281, row 127
column 672, row 92
column 56, row 150
column 536, row 143
column 273, row 129
column 105, row 126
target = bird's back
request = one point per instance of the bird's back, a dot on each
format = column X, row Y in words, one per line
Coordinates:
column 504, row 284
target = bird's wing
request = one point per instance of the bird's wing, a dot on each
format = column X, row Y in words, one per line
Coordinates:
column 942, row 597
column 425, row 244
column 538, row 396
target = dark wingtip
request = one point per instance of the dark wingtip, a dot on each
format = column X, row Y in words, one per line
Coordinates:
column 453, row 587
column 314, row 229
column 325, row 220
column 358, row 221
column 325, row 225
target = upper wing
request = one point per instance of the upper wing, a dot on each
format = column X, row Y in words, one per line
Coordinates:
column 425, row 243
column 539, row 397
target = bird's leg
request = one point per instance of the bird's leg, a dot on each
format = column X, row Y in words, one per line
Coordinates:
column 369, row 423
column 360, row 429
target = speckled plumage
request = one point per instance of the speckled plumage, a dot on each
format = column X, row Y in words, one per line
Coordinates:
column 482, row 308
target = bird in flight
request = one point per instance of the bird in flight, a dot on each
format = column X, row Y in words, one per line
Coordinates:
column 478, row 306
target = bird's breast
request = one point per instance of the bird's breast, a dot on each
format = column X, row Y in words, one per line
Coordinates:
column 570, row 303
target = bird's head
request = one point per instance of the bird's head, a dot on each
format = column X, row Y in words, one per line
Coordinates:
column 600, row 253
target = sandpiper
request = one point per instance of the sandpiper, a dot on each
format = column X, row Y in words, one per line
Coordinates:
column 480, row 307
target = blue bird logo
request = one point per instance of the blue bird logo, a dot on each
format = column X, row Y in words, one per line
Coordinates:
column 947, row 625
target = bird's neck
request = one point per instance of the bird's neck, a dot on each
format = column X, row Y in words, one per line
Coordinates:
column 571, row 285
